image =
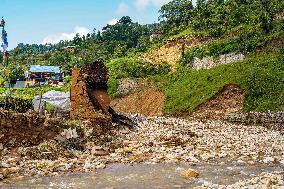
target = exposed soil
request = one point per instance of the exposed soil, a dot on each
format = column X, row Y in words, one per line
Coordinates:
column 171, row 51
column 12, row 137
column 149, row 102
column 228, row 100
column 26, row 129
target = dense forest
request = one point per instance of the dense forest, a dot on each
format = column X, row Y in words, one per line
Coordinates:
column 127, row 38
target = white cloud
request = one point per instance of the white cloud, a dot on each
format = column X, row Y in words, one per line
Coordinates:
column 55, row 38
column 113, row 21
column 122, row 8
column 142, row 4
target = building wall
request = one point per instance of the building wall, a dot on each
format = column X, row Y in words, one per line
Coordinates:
column 81, row 105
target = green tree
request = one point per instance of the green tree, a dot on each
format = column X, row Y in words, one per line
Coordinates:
column 177, row 13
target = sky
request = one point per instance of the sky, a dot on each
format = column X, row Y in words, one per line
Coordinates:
column 49, row 21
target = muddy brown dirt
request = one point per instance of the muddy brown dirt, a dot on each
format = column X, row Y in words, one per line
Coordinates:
column 229, row 99
column 149, row 102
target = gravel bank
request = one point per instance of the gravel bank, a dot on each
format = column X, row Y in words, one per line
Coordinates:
column 157, row 140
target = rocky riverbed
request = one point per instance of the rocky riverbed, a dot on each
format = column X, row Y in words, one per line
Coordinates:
column 157, row 140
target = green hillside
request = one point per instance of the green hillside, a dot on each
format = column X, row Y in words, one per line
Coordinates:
column 254, row 28
column 261, row 76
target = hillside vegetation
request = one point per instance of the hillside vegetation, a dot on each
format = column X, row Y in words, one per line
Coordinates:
column 253, row 28
column 255, row 32
column 261, row 76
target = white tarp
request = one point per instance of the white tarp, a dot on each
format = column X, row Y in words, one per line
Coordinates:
column 57, row 99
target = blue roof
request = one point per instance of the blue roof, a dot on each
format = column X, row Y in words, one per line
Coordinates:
column 45, row 69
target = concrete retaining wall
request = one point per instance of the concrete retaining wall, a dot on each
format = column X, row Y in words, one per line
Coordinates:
column 210, row 62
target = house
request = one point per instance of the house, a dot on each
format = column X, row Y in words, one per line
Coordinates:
column 43, row 75
column 70, row 48
column 155, row 35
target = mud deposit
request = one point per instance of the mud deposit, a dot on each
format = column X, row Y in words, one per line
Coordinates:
column 149, row 176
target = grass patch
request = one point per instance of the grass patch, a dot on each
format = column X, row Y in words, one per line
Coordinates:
column 261, row 76
column 185, row 32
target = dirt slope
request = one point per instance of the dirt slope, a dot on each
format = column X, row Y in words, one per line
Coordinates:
column 171, row 52
column 149, row 102
column 229, row 99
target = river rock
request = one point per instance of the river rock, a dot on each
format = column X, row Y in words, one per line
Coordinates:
column 189, row 174
column 268, row 159
column 101, row 166
column 8, row 171
column 98, row 151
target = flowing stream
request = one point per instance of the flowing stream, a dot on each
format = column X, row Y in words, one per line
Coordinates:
column 119, row 176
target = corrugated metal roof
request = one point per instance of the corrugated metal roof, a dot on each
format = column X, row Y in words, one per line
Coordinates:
column 45, row 69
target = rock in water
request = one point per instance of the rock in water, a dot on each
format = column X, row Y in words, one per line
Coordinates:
column 189, row 174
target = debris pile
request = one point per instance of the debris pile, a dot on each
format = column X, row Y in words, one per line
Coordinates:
column 156, row 140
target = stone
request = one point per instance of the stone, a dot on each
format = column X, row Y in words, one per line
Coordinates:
column 89, row 145
column 268, row 159
column 8, row 171
column 5, row 165
column 127, row 150
column 69, row 133
column 189, row 174
column 101, row 166
column 98, row 151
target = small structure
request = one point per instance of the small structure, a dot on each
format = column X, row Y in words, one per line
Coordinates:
column 70, row 48
column 155, row 35
column 41, row 75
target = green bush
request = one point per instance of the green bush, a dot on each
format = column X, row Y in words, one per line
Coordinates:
column 2, row 82
column 132, row 68
column 247, row 41
column 112, row 87
column 67, row 79
column 15, row 104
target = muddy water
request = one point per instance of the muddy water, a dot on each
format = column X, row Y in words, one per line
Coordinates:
column 147, row 176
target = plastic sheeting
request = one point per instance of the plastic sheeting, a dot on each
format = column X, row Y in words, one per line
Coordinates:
column 57, row 99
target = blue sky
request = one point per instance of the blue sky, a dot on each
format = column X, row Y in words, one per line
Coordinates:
column 40, row 21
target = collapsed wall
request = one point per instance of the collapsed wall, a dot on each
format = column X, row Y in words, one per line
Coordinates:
column 82, row 107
